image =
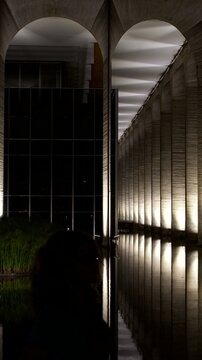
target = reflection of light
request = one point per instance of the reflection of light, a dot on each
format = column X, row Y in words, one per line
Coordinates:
column 179, row 216
column 192, row 270
column 156, row 215
column 166, row 215
column 105, row 288
column 193, row 213
column 1, row 203
column 180, row 258
column 156, row 249
column 105, row 206
column 136, row 246
column 1, row 341
column 148, row 249
column 166, row 256
column 141, row 246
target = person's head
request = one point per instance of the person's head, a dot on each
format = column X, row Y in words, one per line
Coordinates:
column 69, row 258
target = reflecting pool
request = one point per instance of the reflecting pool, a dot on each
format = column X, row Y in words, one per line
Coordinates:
column 16, row 314
column 160, row 296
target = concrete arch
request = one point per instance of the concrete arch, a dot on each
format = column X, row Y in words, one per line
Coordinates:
column 185, row 16
column 16, row 15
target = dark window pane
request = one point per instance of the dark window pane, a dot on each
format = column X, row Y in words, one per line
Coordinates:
column 98, row 147
column 19, row 204
column 41, row 113
column 98, row 223
column 48, row 75
column 62, row 147
column 62, row 204
column 19, row 103
column 98, row 203
column 84, row 175
column 29, row 75
column 11, row 75
column 98, row 175
column 19, row 175
column 40, row 175
column 17, row 147
column 40, row 204
column 98, row 113
column 40, row 147
column 63, row 113
column 83, row 203
column 62, row 176
column 84, row 147
column 83, row 221
column 84, row 114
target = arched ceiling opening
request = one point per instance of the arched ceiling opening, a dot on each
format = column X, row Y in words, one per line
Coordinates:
column 139, row 60
column 55, row 39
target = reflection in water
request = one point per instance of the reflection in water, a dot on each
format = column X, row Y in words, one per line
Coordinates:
column 159, row 296
column 16, row 314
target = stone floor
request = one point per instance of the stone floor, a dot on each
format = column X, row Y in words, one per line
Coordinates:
column 127, row 349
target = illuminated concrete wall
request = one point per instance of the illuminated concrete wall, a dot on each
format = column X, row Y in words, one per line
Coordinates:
column 165, row 154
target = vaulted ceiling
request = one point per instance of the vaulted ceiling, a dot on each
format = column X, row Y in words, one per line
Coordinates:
column 139, row 60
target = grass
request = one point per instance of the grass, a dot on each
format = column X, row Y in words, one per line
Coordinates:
column 19, row 240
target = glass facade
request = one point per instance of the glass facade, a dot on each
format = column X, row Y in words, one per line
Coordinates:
column 53, row 148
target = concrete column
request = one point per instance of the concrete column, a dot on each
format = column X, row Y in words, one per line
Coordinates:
column 127, row 176
column 147, row 163
column 200, row 154
column 135, row 173
column 123, row 179
column 1, row 135
column 156, row 162
column 131, row 195
column 141, row 171
column 165, row 156
column 119, row 181
column 178, row 149
column 191, row 146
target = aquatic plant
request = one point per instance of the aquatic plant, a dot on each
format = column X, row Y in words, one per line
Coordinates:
column 19, row 240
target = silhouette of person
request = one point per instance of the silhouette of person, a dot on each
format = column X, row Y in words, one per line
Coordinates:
column 65, row 291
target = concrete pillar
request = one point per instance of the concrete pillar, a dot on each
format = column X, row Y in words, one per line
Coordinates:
column 148, row 164
column 135, row 173
column 141, row 174
column 131, row 195
column 156, row 162
column 191, row 146
column 165, row 156
column 127, row 175
column 1, row 135
column 178, row 149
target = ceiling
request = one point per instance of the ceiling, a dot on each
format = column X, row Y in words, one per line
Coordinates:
column 140, row 58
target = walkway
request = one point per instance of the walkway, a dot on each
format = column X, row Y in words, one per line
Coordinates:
column 127, row 349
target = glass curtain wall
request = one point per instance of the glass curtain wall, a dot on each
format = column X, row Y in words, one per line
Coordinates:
column 53, row 147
